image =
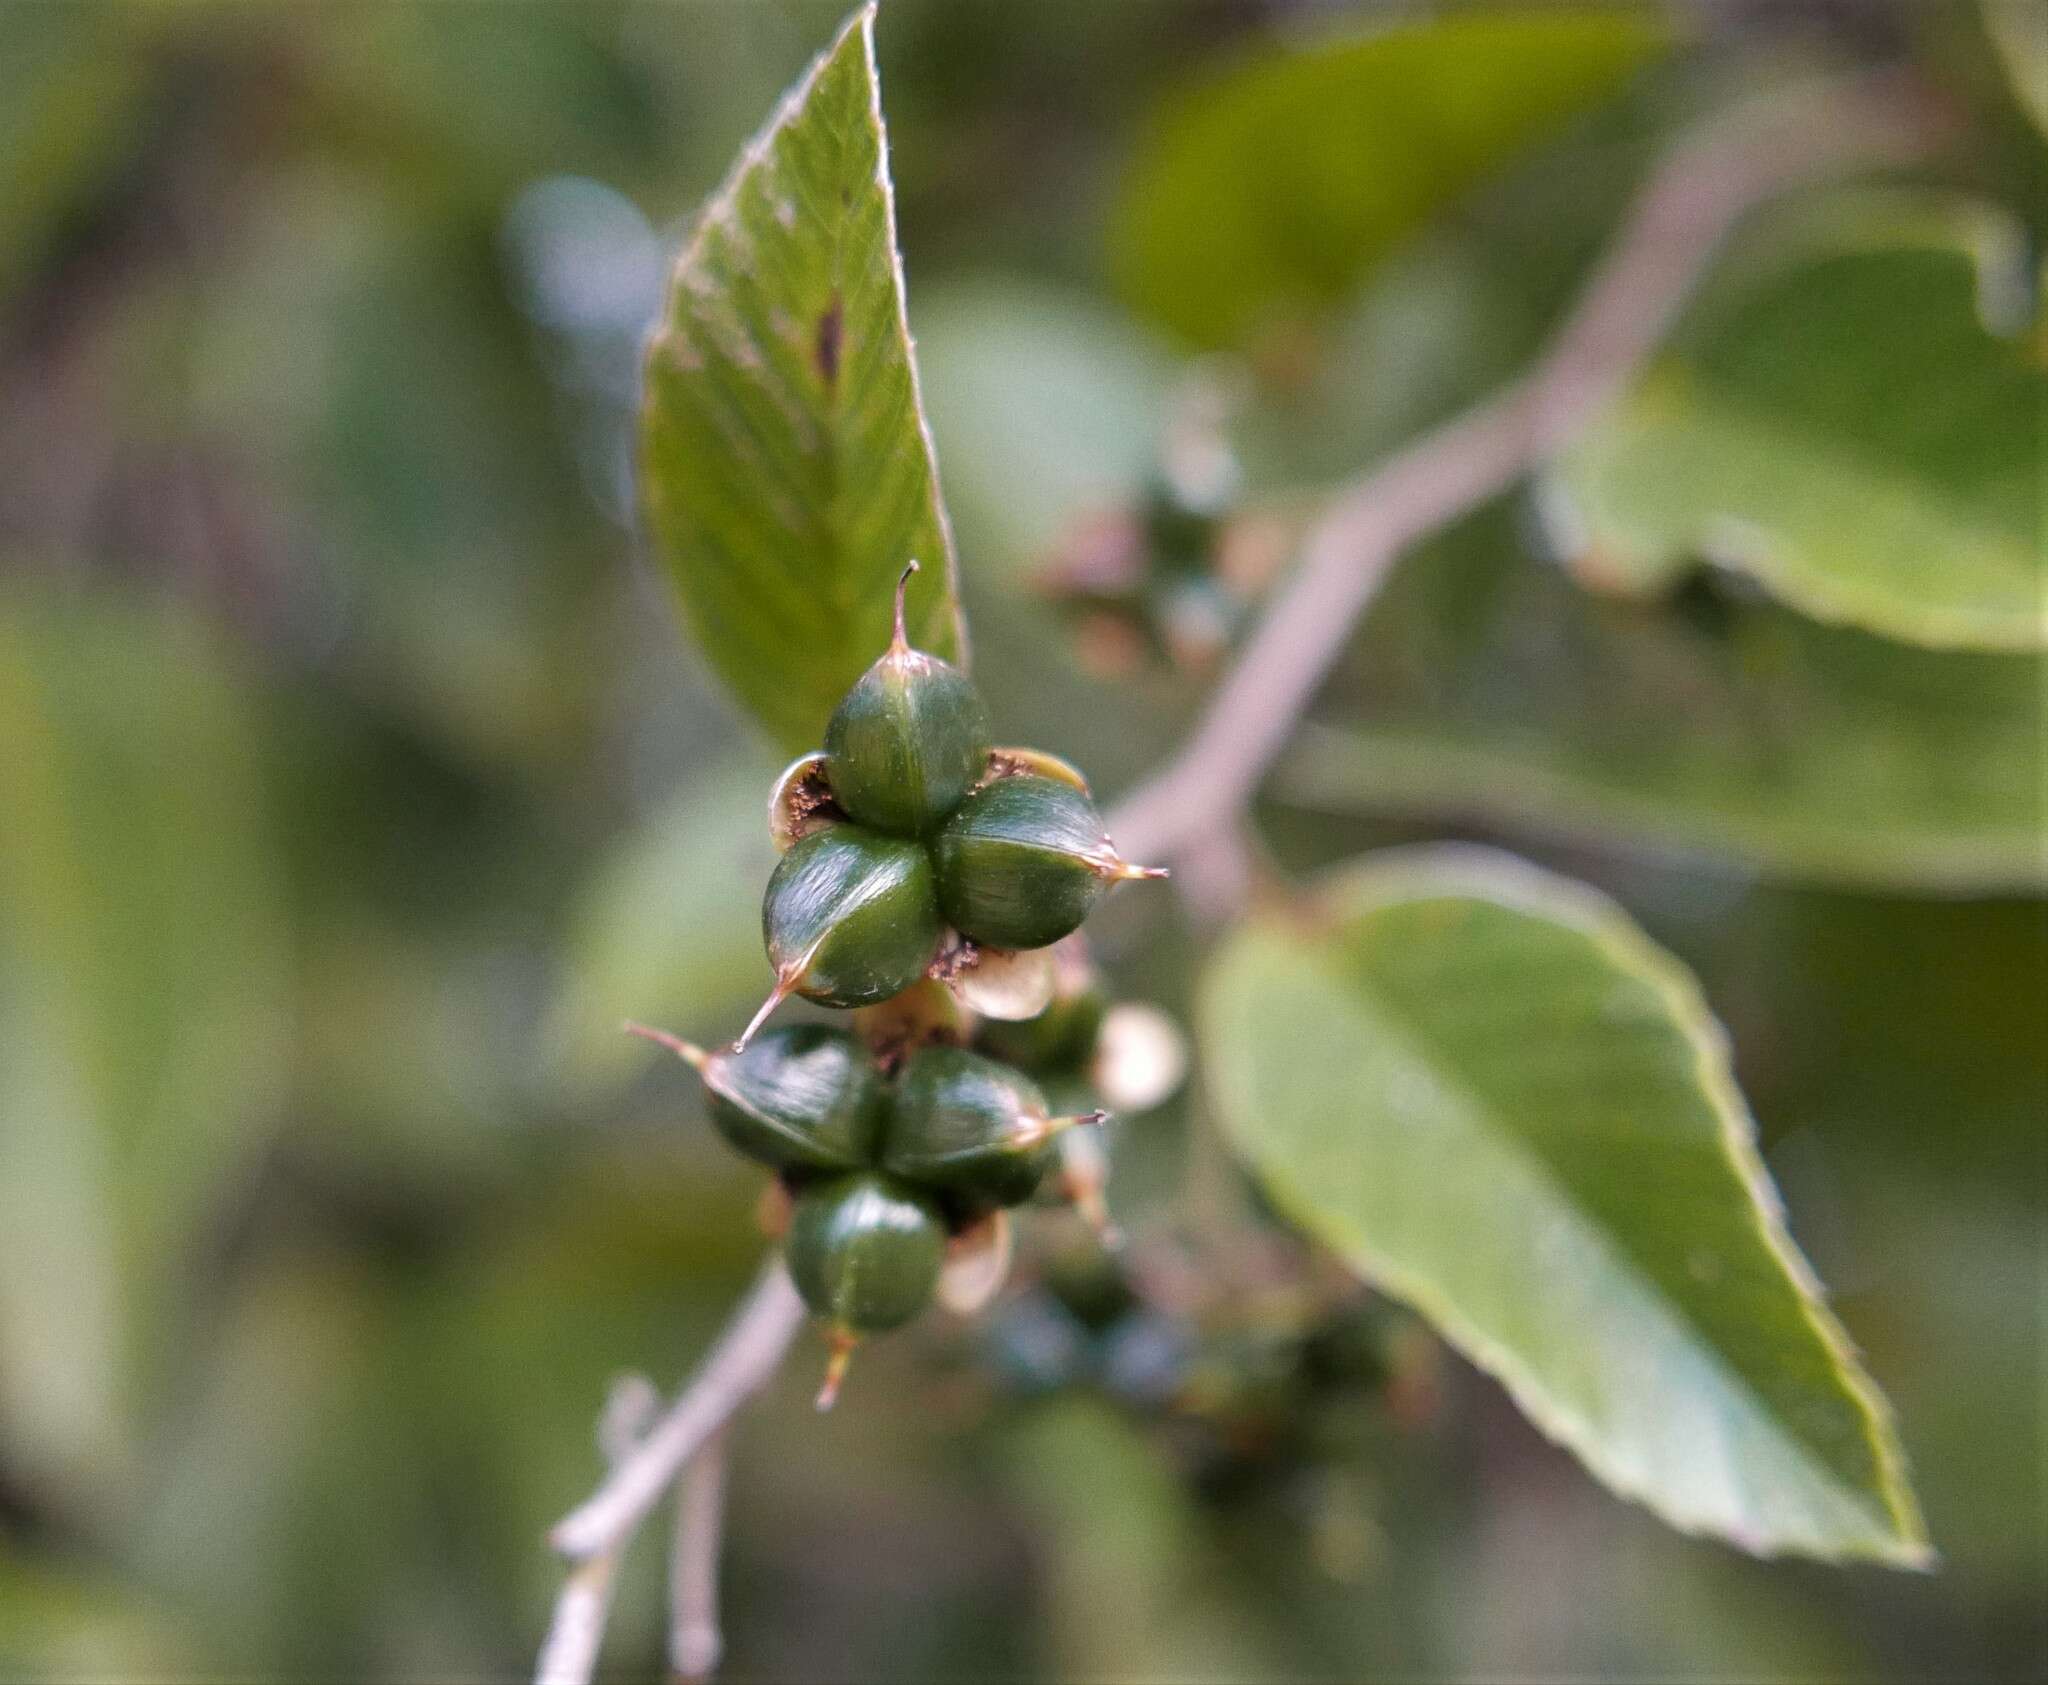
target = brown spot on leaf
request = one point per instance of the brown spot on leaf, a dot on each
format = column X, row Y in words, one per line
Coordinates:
column 826, row 349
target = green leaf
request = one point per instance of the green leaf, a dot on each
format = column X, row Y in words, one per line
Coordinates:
column 1851, row 435
column 1489, row 1092
column 143, row 997
column 1485, row 685
column 1259, row 197
column 786, row 471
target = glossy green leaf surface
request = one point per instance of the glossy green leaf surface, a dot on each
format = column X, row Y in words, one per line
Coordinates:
column 1849, row 434
column 1260, row 196
column 1495, row 1098
column 786, row 471
column 1486, row 685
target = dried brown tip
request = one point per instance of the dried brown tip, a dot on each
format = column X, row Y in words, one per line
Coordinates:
column 1122, row 871
column 835, row 1369
column 901, row 639
column 1036, row 1131
column 785, row 986
column 687, row 1051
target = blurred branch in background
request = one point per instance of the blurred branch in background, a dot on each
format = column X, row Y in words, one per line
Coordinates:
column 1706, row 184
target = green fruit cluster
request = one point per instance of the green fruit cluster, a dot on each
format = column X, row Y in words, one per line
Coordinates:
column 880, row 1171
column 906, row 839
column 912, row 826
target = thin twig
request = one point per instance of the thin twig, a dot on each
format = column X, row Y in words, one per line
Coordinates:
column 568, row 1656
column 595, row 1535
column 738, row 1367
column 694, row 1640
column 1679, row 220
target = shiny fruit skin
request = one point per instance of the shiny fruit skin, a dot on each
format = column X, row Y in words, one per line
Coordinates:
column 1021, row 862
column 802, row 1098
column 850, row 917
column 865, row 1252
column 906, row 743
column 955, row 1128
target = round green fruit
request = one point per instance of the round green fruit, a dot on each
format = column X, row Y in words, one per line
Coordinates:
column 850, row 918
column 966, row 1126
column 1022, row 860
column 803, row 1099
column 864, row 1253
column 908, row 740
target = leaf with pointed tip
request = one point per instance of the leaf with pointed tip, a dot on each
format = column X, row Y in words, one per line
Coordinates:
column 1851, row 435
column 1494, row 1097
column 786, row 469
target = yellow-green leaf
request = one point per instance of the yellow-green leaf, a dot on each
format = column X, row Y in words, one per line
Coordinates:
column 1851, row 435
column 1488, row 1091
column 786, row 470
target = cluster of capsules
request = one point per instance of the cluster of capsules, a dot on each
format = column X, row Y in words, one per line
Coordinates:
column 926, row 878
column 1166, row 576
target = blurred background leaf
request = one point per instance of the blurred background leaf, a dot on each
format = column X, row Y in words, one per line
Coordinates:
column 1776, row 444
column 1260, row 195
column 1045, row 403
column 142, row 935
column 1486, row 684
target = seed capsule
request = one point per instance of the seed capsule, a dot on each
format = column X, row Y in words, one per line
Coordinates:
column 908, row 740
column 850, row 918
column 865, row 1253
column 967, row 1126
column 1063, row 1036
column 1022, row 860
column 802, row 1098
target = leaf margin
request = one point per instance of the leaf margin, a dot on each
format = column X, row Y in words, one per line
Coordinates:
column 1481, row 872
column 1662, row 407
column 941, row 625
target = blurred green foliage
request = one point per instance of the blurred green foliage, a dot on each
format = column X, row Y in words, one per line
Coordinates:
column 355, row 778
